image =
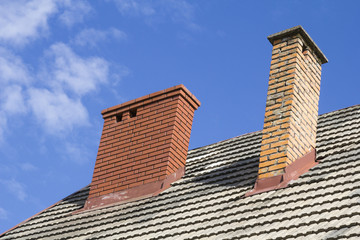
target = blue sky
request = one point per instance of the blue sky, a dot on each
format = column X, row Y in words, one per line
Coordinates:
column 62, row 62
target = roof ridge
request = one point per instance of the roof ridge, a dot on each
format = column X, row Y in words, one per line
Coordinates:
column 340, row 110
column 245, row 134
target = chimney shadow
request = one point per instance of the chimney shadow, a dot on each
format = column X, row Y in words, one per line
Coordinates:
column 238, row 173
column 78, row 198
column 241, row 173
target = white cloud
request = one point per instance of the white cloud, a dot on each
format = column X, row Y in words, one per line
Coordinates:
column 56, row 111
column 14, row 76
column 68, row 76
column 90, row 37
column 3, row 214
column 12, row 68
column 15, row 187
column 23, row 20
column 56, row 99
column 53, row 95
column 72, row 72
column 12, row 100
column 74, row 11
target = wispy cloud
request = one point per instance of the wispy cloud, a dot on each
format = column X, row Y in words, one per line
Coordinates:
column 181, row 12
column 13, row 77
column 3, row 214
column 27, row 167
column 12, row 68
column 178, row 11
column 91, row 37
column 135, row 7
column 74, row 11
column 15, row 187
column 23, row 20
column 11, row 103
column 79, row 153
column 3, row 125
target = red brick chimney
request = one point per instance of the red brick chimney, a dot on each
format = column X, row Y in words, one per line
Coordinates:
column 143, row 146
column 289, row 134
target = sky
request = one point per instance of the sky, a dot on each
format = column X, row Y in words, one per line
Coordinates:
column 62, row 62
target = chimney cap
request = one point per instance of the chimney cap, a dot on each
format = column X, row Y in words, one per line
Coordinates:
column 299, row 29
column 155, row 96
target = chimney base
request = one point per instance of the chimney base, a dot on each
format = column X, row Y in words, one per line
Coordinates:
column 292, row 172
column 135, row 193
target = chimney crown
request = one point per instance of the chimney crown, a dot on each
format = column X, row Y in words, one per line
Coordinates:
column 305, row 36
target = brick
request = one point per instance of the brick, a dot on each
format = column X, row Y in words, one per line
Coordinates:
column 280, row 132
column 263, row 170
column 282, row 160
column 265, row 136
column 277, row 166
column 268, row 152
column 106, row 192
column 277, row 155
column 275, row 106
column 285, row 125
column 271, row 129
column 267, row 163
column 285, row 136
column 290, row 87
column 266, row 175
column 264, row 147
column 270, row 140
column 268, row 113
column 280, row 143
column 268, row 124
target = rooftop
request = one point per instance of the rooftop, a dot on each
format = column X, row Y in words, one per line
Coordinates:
column 209, row 203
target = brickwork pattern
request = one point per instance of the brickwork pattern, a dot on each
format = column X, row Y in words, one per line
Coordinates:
column 145, row 148
column 292, row 105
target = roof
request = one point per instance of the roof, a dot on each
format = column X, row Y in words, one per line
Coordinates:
column 209, row 203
